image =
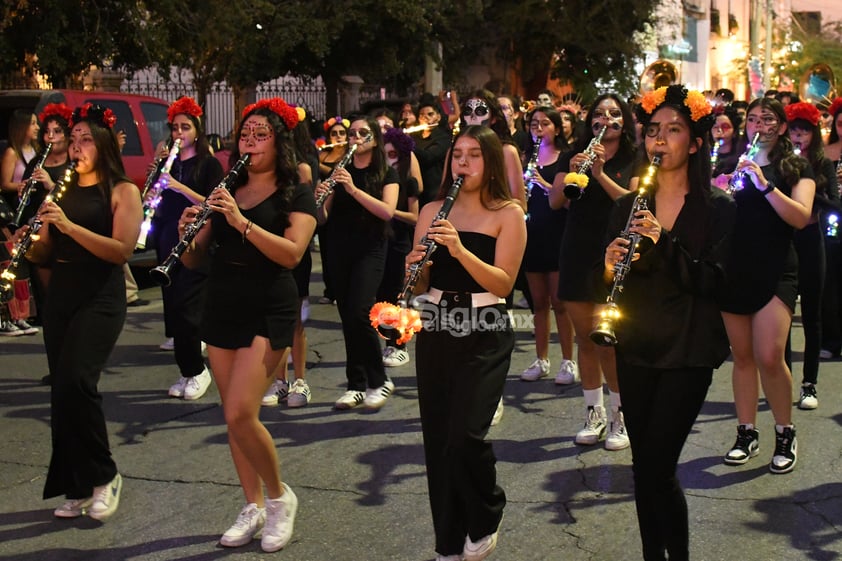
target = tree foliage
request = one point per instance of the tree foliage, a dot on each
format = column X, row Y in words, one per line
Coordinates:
column 825, row 48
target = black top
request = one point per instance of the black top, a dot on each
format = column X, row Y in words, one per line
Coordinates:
column 670, row 318
column 431, row 153
column 87, row 207
column 761, row 252
column 544, row 227
column 348, row 218
column 448, row 274
column 581, row 245
column 401, row 231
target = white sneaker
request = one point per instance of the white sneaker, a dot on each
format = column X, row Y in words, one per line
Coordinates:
column 197, row 385
column 448, row 558
column 106, row 499
column 375, row 398
column 568, row 373
column 522, row 303
column 618, row 438
column 277, row 392
column 477, row 551
column 393, row 356
column 177, row 389
column 538, row 369
column 280, row 519
column 204, row 349
column 167, row 345
column 594, row 429
column 73, row 508
column 808, row 400
column 299, row 394
column 305, row 310
column 248, row 523
column 9, row 329
column 498, row 413
column 24, row 326
column 349, row 399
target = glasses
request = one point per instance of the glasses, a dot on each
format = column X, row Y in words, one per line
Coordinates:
column 260, row 134
column 359, row 133
column 610, row 114
column 392, row 154
column 541, row 124
column 479, row 111
column 768, row 120
column 338, row 132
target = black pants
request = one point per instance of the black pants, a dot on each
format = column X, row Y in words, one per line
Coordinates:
column 460, row 382
column 660, row 407
column 393, row 280
column 183, row 304
column 809, row 245
column 358, row 270
column 831, row 318
column 86, row 312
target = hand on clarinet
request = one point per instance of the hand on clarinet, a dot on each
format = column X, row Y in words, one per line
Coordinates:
column 188, row 216
column 646, row 225
column 221, row 201
column 51, row 213
column 443, row 233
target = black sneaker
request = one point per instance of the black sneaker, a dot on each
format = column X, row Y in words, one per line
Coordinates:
column 747, row 446
column 786, row 451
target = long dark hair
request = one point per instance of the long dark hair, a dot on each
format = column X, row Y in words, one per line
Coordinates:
column 376, row 171
column 554, row 116
column 628, row 137
column 496, row 186
column 109, row 163
column 498, row 121
column 19, row 122
column 814, row 153
column 202, row 145
column 286, row 172
column 782, row 155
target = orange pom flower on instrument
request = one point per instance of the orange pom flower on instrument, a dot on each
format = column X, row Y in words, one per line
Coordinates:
column 406, row 321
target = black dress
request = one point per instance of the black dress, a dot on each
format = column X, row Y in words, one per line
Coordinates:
column 581, row 245
column 544, row 227
column 247, row 293
column 460, row 374
column 762, row 262
column 86, row 312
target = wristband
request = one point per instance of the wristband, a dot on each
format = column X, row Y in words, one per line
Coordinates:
column 769, row 188
column 247, row 230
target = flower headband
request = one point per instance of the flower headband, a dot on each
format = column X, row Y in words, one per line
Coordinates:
column 334, row 120
column 91, row 112
column 279, row 107
column 835, row 107
column 184, row 105
column 53, row 110
column 402, row 142
column 690, row 102
column 802, row 110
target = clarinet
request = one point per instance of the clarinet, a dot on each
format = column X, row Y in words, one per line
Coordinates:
column 156, row 171
column 26, row 193
column 417, row 268
column 572, row 189
column 714, row 152
column 737, row 181
column 162, row 273
column 152, row 196
column 603, row 335
column 9, row 274
column 330, row 182
column 532, row 168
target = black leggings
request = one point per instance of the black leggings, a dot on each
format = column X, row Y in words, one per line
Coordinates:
column 809, row 246
column 660, row 407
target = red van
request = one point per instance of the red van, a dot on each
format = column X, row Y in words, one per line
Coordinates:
column 142, row 118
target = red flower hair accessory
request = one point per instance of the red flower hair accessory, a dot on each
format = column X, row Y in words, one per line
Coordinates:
column 279, row 107
column 334, row 120
column 56, row 110
column 92, row 112
column 184, row 105
column 835, row 107
column 802, row 110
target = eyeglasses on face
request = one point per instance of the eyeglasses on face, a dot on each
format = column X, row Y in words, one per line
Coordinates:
column 610, row 114
column 478, row 110
column 338, row 132
column 359, row 133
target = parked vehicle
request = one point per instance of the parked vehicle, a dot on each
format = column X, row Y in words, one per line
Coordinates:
column 143, row 119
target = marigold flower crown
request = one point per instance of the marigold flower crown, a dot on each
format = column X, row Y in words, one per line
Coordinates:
column 690, row 102
column 56, row 110
column 802, row 110
column 338, row 119
column 94, row 113
column 184, row 105
column 288, row 114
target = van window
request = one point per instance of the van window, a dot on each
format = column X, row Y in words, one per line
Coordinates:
column 125, row 123
column 155, row 116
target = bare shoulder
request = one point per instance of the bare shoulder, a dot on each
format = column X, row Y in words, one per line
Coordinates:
column 125, row 190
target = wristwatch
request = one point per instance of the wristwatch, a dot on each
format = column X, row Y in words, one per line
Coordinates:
column 769, row 188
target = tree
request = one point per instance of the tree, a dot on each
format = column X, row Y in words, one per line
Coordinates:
column 825, row 48
column 62, row 39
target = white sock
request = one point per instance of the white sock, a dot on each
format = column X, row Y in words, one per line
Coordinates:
column 593, row 397
column 780, row 428
column 614, row 399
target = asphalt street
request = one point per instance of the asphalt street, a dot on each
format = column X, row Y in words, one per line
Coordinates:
column 360, row 476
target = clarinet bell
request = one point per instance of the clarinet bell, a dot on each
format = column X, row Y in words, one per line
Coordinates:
column 603, row 335
column 573, row 192
column 161, row 275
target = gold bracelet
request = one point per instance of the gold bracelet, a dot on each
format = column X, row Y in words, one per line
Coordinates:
column 247, row 230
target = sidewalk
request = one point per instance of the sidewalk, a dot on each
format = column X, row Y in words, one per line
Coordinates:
column 360, row 476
